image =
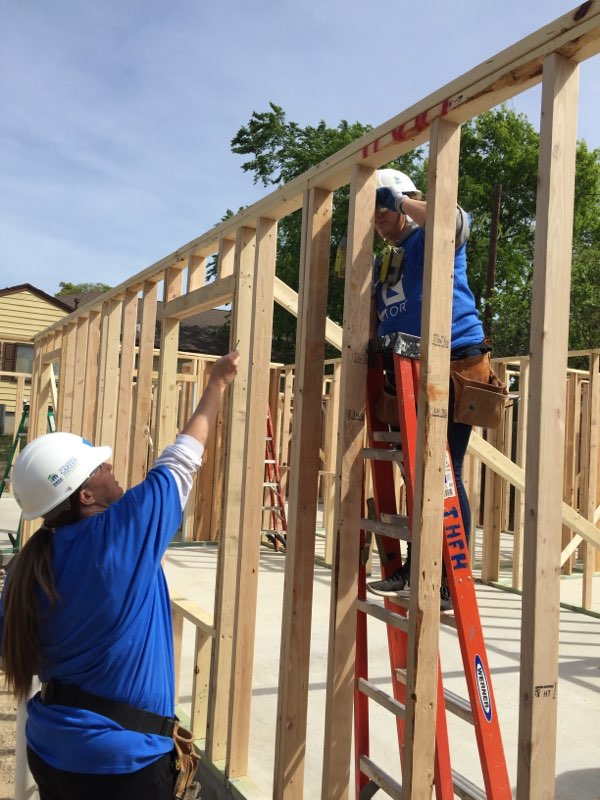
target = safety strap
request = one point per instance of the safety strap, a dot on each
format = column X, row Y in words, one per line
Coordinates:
column 129, row 717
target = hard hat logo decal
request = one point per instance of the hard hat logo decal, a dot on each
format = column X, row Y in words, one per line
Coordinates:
column 68, row 466
column 55, row 479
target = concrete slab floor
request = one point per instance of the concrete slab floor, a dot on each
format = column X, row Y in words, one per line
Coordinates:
column 191, row 573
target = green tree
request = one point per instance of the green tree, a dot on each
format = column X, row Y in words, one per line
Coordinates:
column 502, row 146
column 497, row 146
column 281, row 150
column 67, row 288
column 585, row 280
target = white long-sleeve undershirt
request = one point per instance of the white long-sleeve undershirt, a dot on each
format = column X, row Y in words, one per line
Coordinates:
column 182, row 459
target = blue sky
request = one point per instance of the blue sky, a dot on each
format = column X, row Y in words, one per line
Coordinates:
column 117, row 116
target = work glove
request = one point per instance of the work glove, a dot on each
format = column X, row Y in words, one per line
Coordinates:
column 389, row 197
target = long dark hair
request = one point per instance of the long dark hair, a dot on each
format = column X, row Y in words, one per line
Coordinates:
column 30, row 572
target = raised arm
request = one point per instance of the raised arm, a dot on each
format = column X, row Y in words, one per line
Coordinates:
column 203, row 419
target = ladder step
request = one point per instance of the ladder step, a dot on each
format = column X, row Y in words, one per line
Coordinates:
column 271, row 485
column 379, row 454
column 270, row 461
column 381, row 778
column 466, row 790
column 454, row 703
column 272, row 508
column 448, row 619
column 395, row 530
column 459, row 706
column 395, row 519
column 384, row 699
column 387, row 436
column 381, row 613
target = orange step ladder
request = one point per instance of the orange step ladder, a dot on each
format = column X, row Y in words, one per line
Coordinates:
column 390, row 528
column 274, row 501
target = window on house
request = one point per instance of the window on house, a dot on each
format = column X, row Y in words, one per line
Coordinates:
column 17, row 357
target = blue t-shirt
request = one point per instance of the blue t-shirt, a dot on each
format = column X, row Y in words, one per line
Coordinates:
column 112, row 635
column 399, row 306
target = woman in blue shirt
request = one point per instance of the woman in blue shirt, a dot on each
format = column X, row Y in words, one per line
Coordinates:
column 86, row 607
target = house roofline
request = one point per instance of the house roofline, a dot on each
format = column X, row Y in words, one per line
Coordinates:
column 27, row 287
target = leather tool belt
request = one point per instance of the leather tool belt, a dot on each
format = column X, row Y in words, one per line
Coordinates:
column 134, row 719
column 130, row 717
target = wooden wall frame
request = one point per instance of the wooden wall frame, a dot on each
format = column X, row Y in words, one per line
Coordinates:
column 96, row 348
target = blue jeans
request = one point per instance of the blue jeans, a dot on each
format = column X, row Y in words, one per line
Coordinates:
column 458, row 440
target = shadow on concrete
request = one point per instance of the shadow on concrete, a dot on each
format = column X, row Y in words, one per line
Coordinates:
column 583, row 784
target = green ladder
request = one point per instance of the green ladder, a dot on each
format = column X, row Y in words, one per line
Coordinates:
column 21, row 434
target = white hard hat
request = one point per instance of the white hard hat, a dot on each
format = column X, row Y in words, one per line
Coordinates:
column 393, row 177
column 50, row 468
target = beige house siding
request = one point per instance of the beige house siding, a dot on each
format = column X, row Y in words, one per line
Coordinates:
column 23, row 315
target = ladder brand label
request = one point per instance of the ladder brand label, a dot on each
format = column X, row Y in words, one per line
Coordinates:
column 449, row 490
column 483, row 688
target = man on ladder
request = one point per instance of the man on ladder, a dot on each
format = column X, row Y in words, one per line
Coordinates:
column 393, row 380
column 400, row 218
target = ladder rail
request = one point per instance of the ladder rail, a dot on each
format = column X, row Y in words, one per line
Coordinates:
column 272, row 482
column 390, row 527
column 13, row 447
column 456, row 560
column 385, row 507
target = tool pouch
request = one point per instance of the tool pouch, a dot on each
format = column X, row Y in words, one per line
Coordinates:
column 480, row 397
column 386, row 408
column 186, row 787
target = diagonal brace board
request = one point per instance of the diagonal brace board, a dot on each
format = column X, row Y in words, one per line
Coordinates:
column 516, row 475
